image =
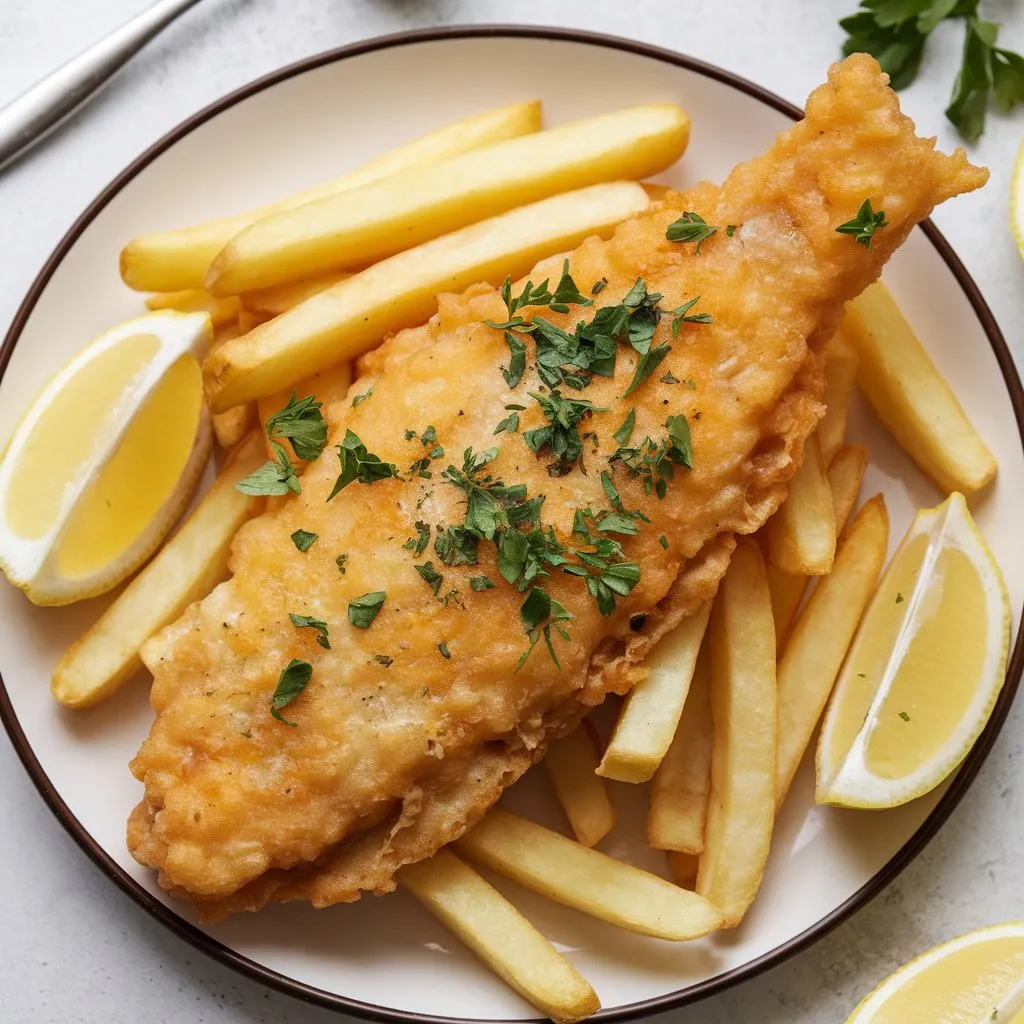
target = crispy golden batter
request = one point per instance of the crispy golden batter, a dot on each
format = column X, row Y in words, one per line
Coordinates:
column 388, row 763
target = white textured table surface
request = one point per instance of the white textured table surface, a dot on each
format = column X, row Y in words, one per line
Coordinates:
column 73, row 949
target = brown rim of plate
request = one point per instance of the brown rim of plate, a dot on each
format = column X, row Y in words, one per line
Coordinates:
column 659, row 1004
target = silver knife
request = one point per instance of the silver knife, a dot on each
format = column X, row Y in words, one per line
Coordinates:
column 37, row 112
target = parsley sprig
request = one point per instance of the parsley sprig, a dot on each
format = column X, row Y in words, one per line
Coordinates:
column 864, row 225
column 302, row 423
column 895, row 33
column 691, row 227
column 561, row 435
column 294, row 679
column 540, row 614
column 359, row 464
column 654, row 461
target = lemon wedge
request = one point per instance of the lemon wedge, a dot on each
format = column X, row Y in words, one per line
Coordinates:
column 106, row 459
column 975, row 979
column 924, row 670
column 1017, row 200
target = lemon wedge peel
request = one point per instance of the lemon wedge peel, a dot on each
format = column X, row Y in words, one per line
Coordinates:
column 1017, row 200
column 928, row 985
column 849, row 780
column 32, row 563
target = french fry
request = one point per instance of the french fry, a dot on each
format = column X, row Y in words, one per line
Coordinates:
column 844, row 476
column 279, row 299
column 328, row 386
column 358, row 227
column 249, row 319
column 231, row 427
column 802, row 534
column 591, row 882
column 840, row 375
column 679, row 791
column 744, row 707
column 910, row 397
column 684, row 867
column 171, row 260
column 188, row 566
column 500, row 936
column 822, row 635
column 342, row 322
column 571, row 764
column 196, row 300
column 650, row 713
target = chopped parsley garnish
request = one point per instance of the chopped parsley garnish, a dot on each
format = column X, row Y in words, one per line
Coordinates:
column 418, row 544
column 625, row 432
column 443, row 648
column 524, row 556
column 383, row 659
column 864, row 225
column 654, row 462
column 646, row 365
column 303, row 539
column 359, row 464
column 276, row 476
column 562, row 434
column 517, row 360
column 430, row 576
column 691, row 227
column 509, row 423
column 667, row 378
column 341, row 561
column 293, row 681
column 359, row 399
column 363, row 610
column 730, row 230
column 606, row 573
column 455, row 545
column 479, row 583
column 540, row 614
column 303, row 424
column 599, row 286
column 663, row 541
column 899, row 598
column 904, row 716
column 301, row 621
column 681, row 315
column 610, row 490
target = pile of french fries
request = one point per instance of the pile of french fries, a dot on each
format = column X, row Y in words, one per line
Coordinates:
column 298, row 289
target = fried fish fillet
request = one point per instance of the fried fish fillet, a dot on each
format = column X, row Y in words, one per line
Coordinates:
column 409, row 730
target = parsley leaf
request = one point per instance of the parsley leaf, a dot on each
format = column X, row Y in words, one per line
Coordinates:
column 479, row 583
column 646, row 365
column 517, row 363
column 540, row 613
column 418, row 544
column 359, row 464
column 363, row 610
column 430, row 576
column 654, row 462
column 599, row 286
column 625, row 432
column 274, row 477
column 340, row 562
column 293, row 681
column 691, row 227
column 303, row 424
column 359, row 399
column 509, row 423
column 303, row 539
column 864, row 225
column 562, row 434
column 443, row 648
column 681, row 315
column 301, row 621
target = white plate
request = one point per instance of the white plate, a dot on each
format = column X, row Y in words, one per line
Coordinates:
column 386, row 958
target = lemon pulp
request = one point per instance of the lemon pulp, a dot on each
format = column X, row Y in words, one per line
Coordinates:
column 140, row 477
column 68, row 432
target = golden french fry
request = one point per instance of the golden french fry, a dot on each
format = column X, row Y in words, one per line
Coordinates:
column 845, row 473
column 683, row 868
column 911, row 398
column 279, row 299
column 197, row 300
column 329, row 386
column 170, row 260
column 744, row 707
column 249, row 319
column 356, row 228
column 679, row 791
column 350, row 318
column 802, row 534
column 844, row 476
column 571, row 763
column 188, row 566
column 231, row 427
column 500, row 936
column 840, row 375
column 822, row 635
column 650, row 713
column 596, row 884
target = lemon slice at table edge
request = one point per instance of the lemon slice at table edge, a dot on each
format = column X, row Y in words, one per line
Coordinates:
column 1017, row 200
column 974, row 979
column 106, row 459
column 924, row 670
